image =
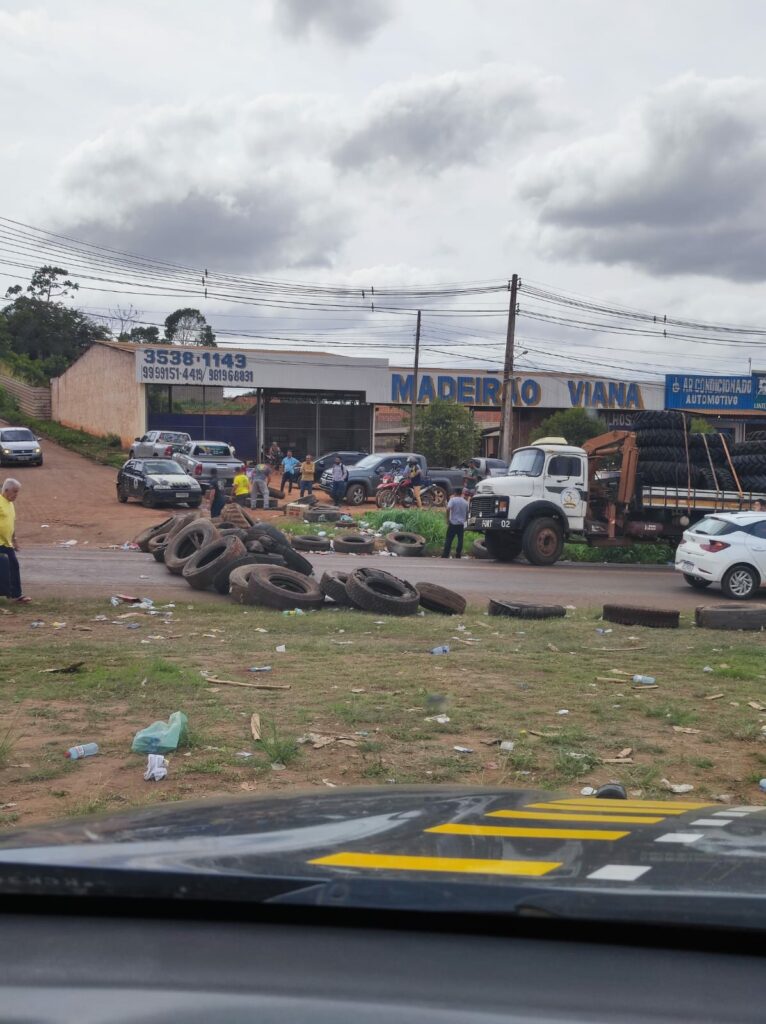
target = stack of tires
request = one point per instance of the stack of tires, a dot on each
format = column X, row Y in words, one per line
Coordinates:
column 749, row 458
column 663, row 460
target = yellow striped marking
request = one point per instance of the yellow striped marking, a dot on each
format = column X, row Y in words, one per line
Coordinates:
column 457, row 865
column 586, row 808
column 655, row 805
column 526, row 833
column 621, row 819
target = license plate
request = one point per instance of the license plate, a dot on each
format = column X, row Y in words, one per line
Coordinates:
column 182, row 494
column 486, row 524
column 687, row 566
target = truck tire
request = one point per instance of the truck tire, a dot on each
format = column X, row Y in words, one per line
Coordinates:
column 723, row 616
column 503, row 547
column 181, row 520
column 333, row 585
column 542, row 541
column 401, row 542
column 159, row 540
column 229, row 530
column 650, row 438
column 221, row 581
column 283, row 589
column 749, row 447
column 188, row 542
column 238, row 584
column 439, row 599
column 255, row 547
column 658, row 420
column 696, row 583
column 522, row 610
column 354, row 543
column 355, row 494
column 257, row 530
column 322, row 514
column 740, row 582
column 142, row 539
column 479, row 549
column 374, row 590
column 309, row 542
column 204, row 565
column 158, row 554
column 752, row 483
column 628, row 615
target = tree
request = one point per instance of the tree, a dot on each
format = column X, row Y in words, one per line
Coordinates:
column 121, row 320
column 143, row 336
column 188, row 327
column 573, row 424
column 46, row 284
column 445, row 433
column 699, row 425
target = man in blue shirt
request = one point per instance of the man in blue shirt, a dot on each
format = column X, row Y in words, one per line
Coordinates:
column 289, row 468
column 457, row 514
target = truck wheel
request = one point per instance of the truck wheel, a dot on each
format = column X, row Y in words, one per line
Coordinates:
column 502, row 547
column 440, row 496
column 740, row 582
column 543, row 541
column 356, row 495
column 696, row 582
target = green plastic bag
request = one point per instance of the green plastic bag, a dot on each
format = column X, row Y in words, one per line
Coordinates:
column 161, row 737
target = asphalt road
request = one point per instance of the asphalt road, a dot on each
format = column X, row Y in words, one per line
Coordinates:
column 98, row 573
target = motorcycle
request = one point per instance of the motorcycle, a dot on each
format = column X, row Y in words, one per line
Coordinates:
column 394, row 489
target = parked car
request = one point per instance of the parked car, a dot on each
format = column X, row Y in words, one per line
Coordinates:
column 197, row 458
column 157, row 482
column 325, row 461
column 159, row 442
column 19, row 446
column 728, row 548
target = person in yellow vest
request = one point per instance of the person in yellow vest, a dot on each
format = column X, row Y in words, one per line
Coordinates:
column 8, row 546
column 241, row 488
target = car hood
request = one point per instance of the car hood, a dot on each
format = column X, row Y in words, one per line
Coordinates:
column 436, row 848
column 18, row 445
column 173, row 480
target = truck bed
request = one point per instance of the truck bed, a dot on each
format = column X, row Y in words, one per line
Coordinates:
column 683, row 498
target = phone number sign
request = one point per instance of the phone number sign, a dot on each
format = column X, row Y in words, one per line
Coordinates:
column 194, row 366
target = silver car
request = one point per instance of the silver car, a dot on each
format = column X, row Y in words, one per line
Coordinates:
column 158, row 443
column 19, row 447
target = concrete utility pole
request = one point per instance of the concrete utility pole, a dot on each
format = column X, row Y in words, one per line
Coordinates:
column 415, row 385
column 505, row 447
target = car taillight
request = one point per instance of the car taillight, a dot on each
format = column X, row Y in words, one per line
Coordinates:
column 169, row 450
column 714, row 546
column 198, row 470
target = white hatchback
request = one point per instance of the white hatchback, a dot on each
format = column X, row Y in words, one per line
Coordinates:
column 727, row 548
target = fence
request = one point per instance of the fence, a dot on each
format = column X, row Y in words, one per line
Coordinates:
column 32, row 401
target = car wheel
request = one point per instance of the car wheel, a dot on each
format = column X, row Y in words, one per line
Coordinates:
column 148, row 500
column 356, row 495
column 121, row 495
column 740, row 582
column 696, row 582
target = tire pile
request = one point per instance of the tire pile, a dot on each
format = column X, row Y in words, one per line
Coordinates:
column 662, row 460
column 258, row 565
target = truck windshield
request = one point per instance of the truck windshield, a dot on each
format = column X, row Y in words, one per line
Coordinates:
column 527, row 462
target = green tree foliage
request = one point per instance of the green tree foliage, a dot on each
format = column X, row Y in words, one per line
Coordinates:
column 699, row 425
column 573, row 424
column 47, row 283
column 446, row 433
column 142, row 336
column 189, row 327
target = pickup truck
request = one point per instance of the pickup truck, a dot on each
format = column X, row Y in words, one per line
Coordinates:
column 553, row 490
column 365, row 475
column 197, row 458
column 158, row 443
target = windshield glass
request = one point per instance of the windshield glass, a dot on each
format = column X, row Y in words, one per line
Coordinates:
column 152, row 466
column 527, row 462
column 17, row 435
column 212, row 449
column 368, row 462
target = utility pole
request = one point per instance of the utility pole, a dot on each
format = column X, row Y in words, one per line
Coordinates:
column 505, row 447
column 414, row 407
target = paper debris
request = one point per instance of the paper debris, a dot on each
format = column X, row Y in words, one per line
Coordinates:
column 677, row 787
column 255, row 726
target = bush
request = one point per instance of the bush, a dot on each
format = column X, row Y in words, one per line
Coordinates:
column 630, row 554
column 429, row 524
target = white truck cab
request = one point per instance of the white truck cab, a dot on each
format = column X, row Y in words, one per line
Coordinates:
column 535, row 507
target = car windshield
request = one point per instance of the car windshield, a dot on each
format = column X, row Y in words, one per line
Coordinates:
column 17, row 435
column 153, row 466
column 527, row 462
column 369, row 462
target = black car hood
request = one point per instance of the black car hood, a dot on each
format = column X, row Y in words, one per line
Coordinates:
column 488, row 851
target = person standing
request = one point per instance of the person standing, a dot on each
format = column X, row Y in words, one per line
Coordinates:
column 472, row 476
column 307, row 476
column 289, row 465
column 338, row 478
column 457, row 516
column 241, row 488
column 8, row 544
column 261, row 477
column 274, row 455
column 216, row 494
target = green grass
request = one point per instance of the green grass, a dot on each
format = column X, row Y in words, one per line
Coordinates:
column 278, row 748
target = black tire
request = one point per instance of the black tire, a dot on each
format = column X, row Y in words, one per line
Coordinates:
column 479, row 549
column 255, row 547
column 664, row 453
column 258, row 530
column 401, row 542
column 740, row 582
column 750, row 463
column 309, row 542
column 757, row 435
column 439, row 599
column 723, row 480
column 294, row 559
column 188, row 542
column 204, row 565
column 333, row 585
column 158, row 554
column 502, row 547
column 749, row 447
column 374, row 590
column 229, row 530
column 354, row 543
column 121, row 495
column 283, row 589
column 238, row 584
column 440, row 495
column 628, row 615
column 696, row 583
column 142, row 539
column 651, row 438
column 194, row 504
column 752, row 483
column 385, row 498
column 148, row 500
column 723, row 616
column 159, row 540
column 322, row 514
column 182, row 519
column 522, row 610
column 221, row 581
column 355, row 495
column 657, row 420
column 275, row 492
column 542, row 541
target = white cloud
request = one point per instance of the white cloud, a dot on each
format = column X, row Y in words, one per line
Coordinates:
column 344, row 21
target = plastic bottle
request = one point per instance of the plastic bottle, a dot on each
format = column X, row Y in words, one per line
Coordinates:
column 644, row 680
column 444, row 649
column 84, row 750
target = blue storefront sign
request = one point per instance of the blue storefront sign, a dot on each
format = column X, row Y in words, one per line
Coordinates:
column 708, row 394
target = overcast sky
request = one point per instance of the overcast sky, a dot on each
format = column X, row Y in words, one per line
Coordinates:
column 614, row 150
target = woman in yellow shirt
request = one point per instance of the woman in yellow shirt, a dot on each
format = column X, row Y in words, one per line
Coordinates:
column 307, row 476
column 241, row 488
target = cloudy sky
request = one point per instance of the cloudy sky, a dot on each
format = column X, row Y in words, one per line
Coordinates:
column 611, row 150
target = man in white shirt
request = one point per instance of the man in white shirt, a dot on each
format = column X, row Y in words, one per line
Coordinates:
column 457, row 514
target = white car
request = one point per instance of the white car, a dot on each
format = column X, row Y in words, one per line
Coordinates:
column 728, row 548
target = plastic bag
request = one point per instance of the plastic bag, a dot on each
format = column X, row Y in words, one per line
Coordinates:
column 161, row 737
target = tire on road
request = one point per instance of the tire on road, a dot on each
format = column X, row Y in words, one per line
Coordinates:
column 440, row 599
column 724, row 616
column 187, row 542
column 158, row 554
column 258, row 530
column 543, row 541
column 740, row 582
column 333, row 585
column 159, row 540
column 479, row 549
column 142, row 539
column 183, row 519
column 309, row 542
column 522, row 610
column 354, row 543
column 502, row 547
column 238, row 584
column 374, row 590
column 204, row 565
column 402, row 542
column 283, row 589
column 221, row 582
column 630, row 615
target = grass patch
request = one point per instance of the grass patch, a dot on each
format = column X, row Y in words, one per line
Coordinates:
column 278, row 748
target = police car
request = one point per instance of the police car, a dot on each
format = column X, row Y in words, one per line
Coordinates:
column 157, row 482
